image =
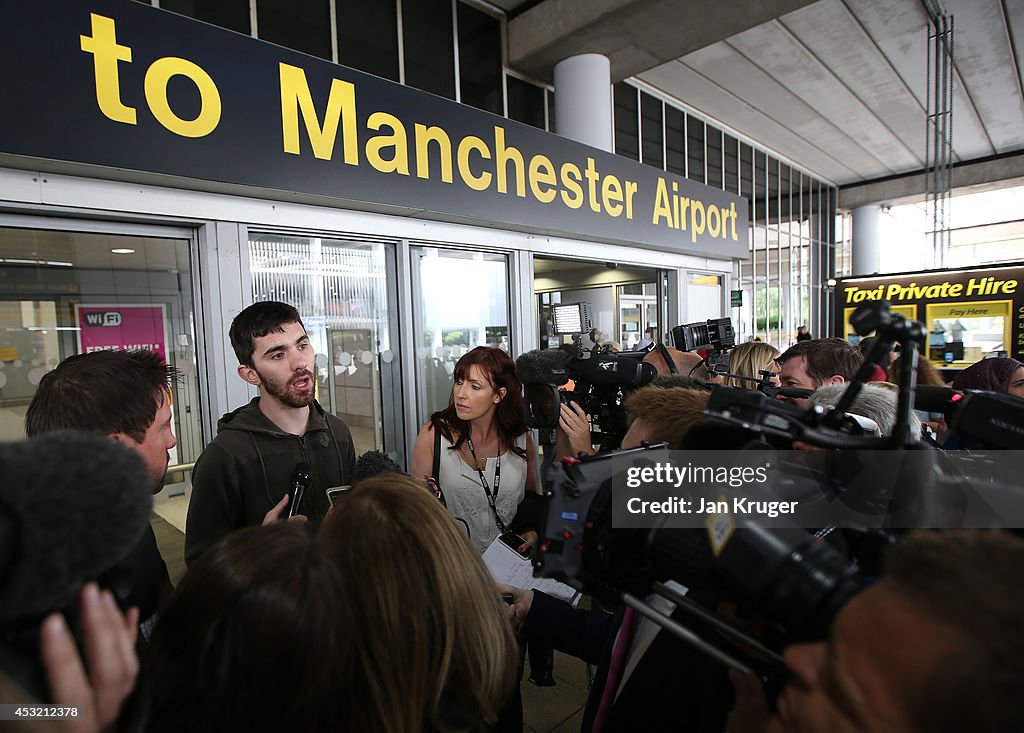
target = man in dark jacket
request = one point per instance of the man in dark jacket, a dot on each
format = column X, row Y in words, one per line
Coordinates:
column 244, row 475
column 126, row 396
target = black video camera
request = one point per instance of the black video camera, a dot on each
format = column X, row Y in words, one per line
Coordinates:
column 715, row 334
column 786, row 575
column 601, row 378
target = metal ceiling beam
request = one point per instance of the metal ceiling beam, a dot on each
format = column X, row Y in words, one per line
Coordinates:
column 972, row 176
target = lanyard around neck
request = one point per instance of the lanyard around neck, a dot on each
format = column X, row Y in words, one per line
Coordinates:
column 487, row 487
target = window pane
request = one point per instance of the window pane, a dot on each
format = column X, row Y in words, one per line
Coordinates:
column 51, row 282
column 368, row 36
column 695, row 148
column 429, row 46
column 746, row 169
column 785, row 198
column 339, row 288
column 480, row 60
column 760, row 186
column 675, row 141
column 704, row 296
column 732, row 168
column 627, row 140
column 230, row 14
column 714, row 147
column 445, row 328
column 304, row 25
column 773, row 186
column 525, row 102
column 650, row 126
column 638, row 311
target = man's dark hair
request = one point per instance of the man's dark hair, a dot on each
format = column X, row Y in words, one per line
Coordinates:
column 826, row 357
column 256, row 321
column 970, row 582
column 102, row 391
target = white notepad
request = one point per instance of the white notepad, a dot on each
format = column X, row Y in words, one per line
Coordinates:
column 509, row 567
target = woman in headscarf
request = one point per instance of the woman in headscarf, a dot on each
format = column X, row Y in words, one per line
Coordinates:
column 994, row 375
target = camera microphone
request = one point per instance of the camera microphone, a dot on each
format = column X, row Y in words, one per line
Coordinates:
column 372, row 463
column 543, row 366
column 74, row 506
column 301, row 480
column 63, row 522
column 946, row 400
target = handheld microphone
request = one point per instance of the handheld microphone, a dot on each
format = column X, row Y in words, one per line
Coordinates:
column 301, row 480
column 543, row 366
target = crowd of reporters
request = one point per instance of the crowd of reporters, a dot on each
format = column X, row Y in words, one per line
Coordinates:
column 384, row 616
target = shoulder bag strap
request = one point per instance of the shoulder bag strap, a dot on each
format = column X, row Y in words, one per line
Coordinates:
column 435, row 471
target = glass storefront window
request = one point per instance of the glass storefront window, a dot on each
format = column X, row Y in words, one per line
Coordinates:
column 462, row 302
column 340, row 289
column 67, row 292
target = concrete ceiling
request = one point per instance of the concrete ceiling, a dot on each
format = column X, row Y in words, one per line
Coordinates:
column 836, row 86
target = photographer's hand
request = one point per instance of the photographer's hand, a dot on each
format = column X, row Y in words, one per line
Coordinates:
column 750, row 713
column 109, row 640
column 574, row 423
column 522, row 599
column 531, row 539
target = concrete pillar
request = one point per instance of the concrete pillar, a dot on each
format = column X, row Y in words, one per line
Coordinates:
column 583, row 100
column 867, row 226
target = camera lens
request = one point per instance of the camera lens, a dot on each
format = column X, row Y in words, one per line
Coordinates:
column 542, row 405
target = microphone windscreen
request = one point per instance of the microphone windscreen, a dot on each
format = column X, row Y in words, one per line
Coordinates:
column 937, row 399
column 371, row 463
column 71, row 506
column 544, row 366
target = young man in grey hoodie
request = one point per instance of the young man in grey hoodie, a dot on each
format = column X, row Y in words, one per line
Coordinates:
column 243, row 476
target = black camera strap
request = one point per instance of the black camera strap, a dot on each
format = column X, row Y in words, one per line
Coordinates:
column 487, row 487
column 668, row 359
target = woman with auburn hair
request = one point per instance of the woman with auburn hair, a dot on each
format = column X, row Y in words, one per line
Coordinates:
column 486, row 459
column 430, row 647
column 746, row 360
column 251, row 640
column 927, row 374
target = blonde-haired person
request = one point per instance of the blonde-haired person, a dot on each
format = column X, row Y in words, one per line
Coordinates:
column 430, row 648
column 746, row 360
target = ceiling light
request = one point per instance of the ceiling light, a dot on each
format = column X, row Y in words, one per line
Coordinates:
column 123, row 251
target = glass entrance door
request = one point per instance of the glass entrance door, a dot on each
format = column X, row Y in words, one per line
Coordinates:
column 343, row 290
column 461, row 301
